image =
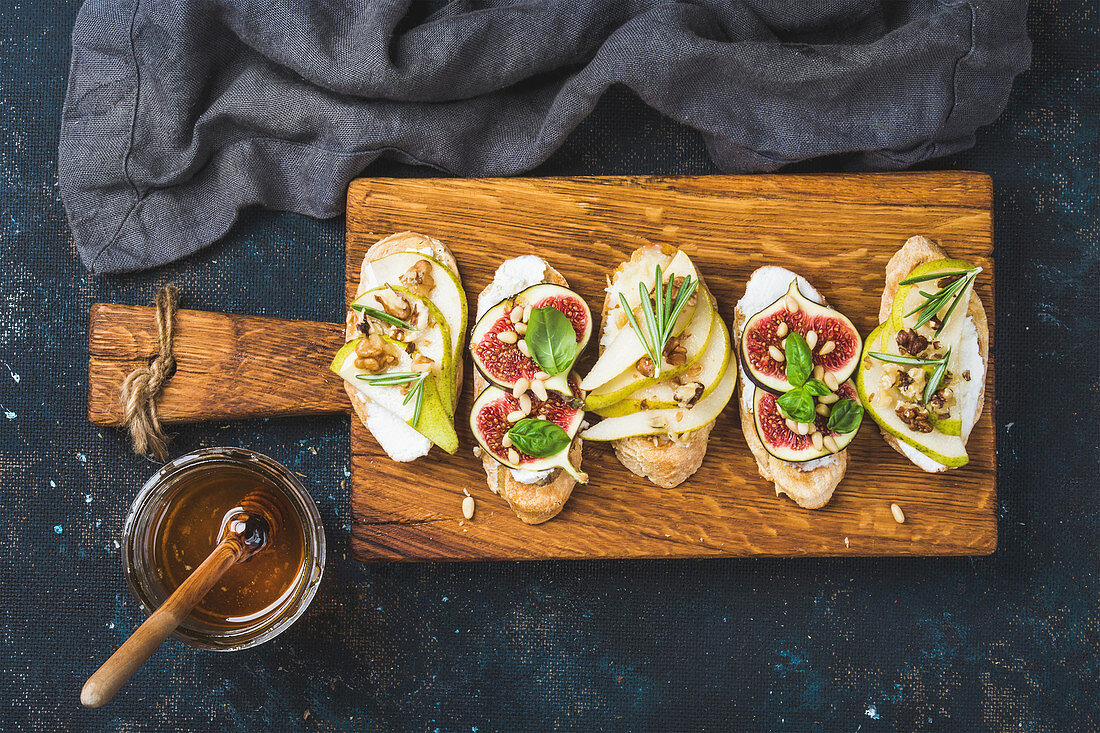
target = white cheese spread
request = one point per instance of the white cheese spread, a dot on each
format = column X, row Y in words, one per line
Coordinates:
column 816, row 463
column 514, row 275
column 529, row 477
column 767, row 285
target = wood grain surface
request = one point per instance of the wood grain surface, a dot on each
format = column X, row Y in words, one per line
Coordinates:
column 837, row 230
column 227, row 366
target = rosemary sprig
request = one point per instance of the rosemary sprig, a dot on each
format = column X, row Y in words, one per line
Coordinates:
column 934, row 302
column 661, row 319
column 394, row 378
column 933, row 382
column 384, row 317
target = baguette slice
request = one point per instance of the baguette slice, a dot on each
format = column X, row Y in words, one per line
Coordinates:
column 537, row 502
column 665, row 462
column 417, row 445
column 809, row 489
column 916, row 251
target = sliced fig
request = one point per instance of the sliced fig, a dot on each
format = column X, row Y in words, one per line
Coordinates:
column 500, row 351
column 836, row 344
column 789, row 445
column 490, row 424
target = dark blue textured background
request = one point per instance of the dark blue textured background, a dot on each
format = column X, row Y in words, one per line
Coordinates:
column 1010, row 641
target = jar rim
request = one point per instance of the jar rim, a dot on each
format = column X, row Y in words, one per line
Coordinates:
column 150, row 499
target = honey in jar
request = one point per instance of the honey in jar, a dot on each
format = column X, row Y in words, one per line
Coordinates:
column 176, row 521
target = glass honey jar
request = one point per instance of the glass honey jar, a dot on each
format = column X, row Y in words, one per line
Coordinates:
column 175, row 521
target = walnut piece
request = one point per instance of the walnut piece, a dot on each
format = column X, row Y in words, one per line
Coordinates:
column 396, row 304
column 915, row 387
column 915, row 416
column 644, row 366
column 686, row 395
column 912, row 342
column 418, row 278
column 373, row 354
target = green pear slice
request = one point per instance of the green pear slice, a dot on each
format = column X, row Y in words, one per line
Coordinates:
column 695, row 341
column 435, row 421
column 434, row 341
column 939, row 446
column 447, row 295
column 626, row 348
column 658, row 422
column 706, row 370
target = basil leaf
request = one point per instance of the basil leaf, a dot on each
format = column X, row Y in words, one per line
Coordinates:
column 845, row 416
column 799, row 359
column 816, row 387
column 539, row 438
column 551, row 340
column 798, row 405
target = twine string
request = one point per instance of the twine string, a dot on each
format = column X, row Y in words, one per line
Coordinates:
column 142, row 386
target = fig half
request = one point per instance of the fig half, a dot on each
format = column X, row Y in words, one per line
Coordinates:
column 835, row 343
column 490, row 424
column 787, row 444
column 498, row 344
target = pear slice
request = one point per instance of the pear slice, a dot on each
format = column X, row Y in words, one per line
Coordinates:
column 707, row 370
column 941, row 447
column 694, row 339
column 435, row 421
column 626, row 348
column 447, row 294
column 433, row 341
column 908, row 297
column 658, row 422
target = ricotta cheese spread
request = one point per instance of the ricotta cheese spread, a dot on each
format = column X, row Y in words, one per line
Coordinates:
column 514, row 275
column 529, row 477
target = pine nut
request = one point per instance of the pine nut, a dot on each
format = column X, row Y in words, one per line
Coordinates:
column 523, row 347
column 819, row 372
column 515, row 416
column 822, row 410
column 828, row 399
column 658, row 422
column 527, row 314
column 781, row 331
column 830, row 381
column 791, row 425
column 506, row 441
column 899, row 515
column 513, row 456
column 811, row 339
column 539, row 389
column 521, row 386
column 792, row 304
column 516, row 315
column 507, row 337
column 521, row 329
column 817, row 441
column 803, row 428
column 776, row 354
column 525, row 404
column 541, row 376
column 468, row 507
column 827, row 347
column 830, row 443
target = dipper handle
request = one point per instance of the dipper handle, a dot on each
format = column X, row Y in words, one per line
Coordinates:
column 109, row 678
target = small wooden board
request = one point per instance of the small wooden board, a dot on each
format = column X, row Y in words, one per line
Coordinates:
column 837, row 230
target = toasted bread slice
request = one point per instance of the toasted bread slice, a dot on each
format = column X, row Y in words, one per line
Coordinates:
column 916, row 251
column 665, row 462
column 538, row 502
column 810, row 489
column 400, row 242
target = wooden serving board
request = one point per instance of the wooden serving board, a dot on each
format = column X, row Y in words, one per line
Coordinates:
column 837, row 230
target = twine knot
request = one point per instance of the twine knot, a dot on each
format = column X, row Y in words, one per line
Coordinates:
column 142, row 386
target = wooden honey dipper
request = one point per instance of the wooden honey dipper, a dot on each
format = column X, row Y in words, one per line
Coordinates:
column 245, row 530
